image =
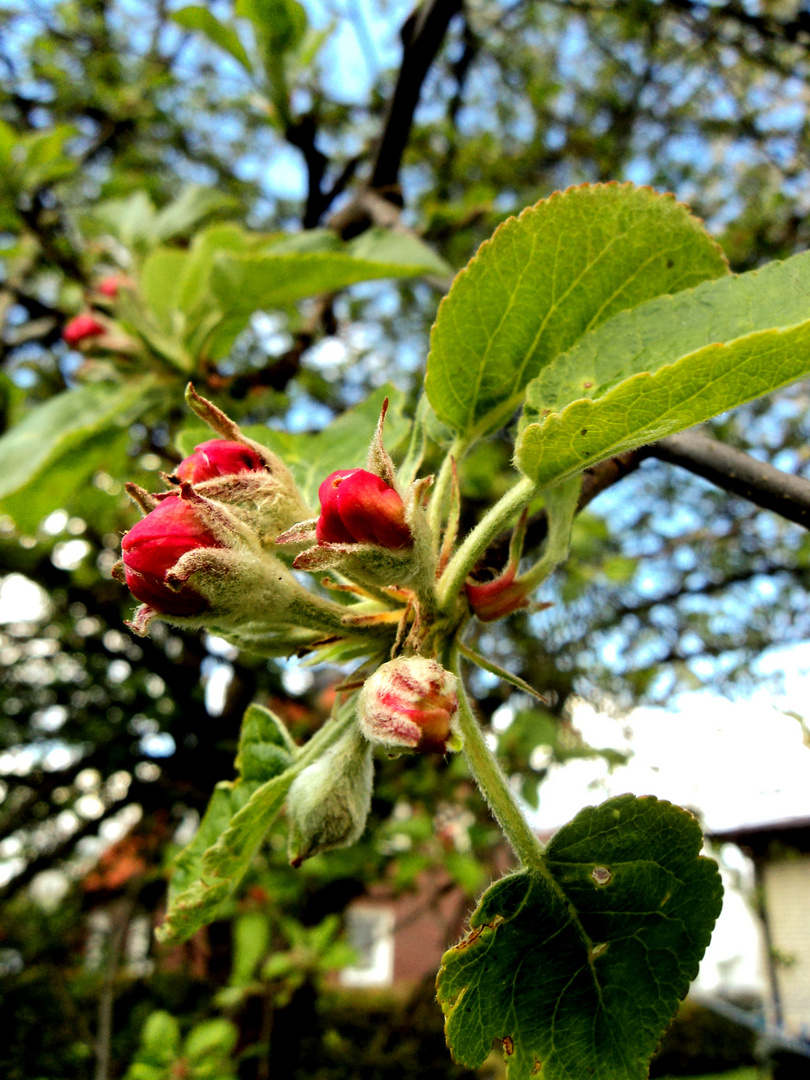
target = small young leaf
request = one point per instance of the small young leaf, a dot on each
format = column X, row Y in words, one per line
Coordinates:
column 213, row 864
column 544, row 279
column 579, row 969
column 667, row 365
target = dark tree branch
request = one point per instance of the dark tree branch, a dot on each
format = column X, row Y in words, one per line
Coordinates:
column 422, row 35
column 738, row 473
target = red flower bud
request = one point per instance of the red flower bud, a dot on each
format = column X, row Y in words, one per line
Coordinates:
column 153, row 546
column 82, row 327
column 109, row 286
column 491, row 600
column 358, row 507
column 410, row 703
column 218, row 457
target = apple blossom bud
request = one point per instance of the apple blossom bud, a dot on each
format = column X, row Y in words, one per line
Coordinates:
column 328, row 802
column 359, row 507
column 218, row 457
column 109, row 286
column 153, row 546
column 491, row 600
column 410, row 703
column 82, row 327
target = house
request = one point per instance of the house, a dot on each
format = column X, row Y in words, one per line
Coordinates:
column 781, row 855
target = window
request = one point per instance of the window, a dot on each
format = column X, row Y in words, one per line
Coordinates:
column 370, row 932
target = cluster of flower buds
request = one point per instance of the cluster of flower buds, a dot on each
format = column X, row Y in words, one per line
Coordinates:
column 92, row 329
column 204, row 552
column 210, row 552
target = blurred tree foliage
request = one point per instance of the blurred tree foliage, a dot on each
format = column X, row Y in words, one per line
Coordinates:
column 209, row 157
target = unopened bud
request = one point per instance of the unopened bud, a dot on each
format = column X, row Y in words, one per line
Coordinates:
column 359, row 507
column 410, row 703
column 108, row 286
column 81, row 328
column 491, row 600
column 153, row 546
column 328, row 802
column 218, row 457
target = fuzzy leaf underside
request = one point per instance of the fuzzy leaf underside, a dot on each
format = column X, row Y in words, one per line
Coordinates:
column 580, row 972
column 547, row 277
column 666, row 328
column 239, row 814
column 666, row 366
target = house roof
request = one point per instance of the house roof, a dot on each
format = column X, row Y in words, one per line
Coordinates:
column 757, row 839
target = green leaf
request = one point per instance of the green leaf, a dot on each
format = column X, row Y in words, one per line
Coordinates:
column 225, row 863
column 216, row 1038
column 160, row 1039
column 544, row 279
column 669, row 364
column 201, row 19
column 579, row 969
column 394, row 248
column 128, row 220
column 193, row 205
column 279, row 25
column 161, row 280
column 208, row 871
column 56, row 432
column 248, row 283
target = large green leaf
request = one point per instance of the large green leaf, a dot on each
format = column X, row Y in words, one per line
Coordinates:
column 544, row 279
column 248, row 283
column 580, row 969
column 240, row 811
column 667, row 365
column 33, row 450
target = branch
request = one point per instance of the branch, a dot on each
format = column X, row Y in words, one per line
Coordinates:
column 738, row 473
column 422, row 35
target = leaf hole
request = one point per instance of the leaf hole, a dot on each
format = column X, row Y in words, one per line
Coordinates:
column 600, row 875
column 508, row 1045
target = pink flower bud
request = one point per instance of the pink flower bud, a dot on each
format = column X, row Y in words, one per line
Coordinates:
column 358, row 507
column 109, row 286
column 410, row 703
column 218, row 457
column 153, row 546
column 491, row 600
column 82, row 327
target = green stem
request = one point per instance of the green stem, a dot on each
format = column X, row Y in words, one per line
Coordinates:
column 438, row 496
column 478, row 540
column 493, row 784
column 326, row 736
column 561, row 507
